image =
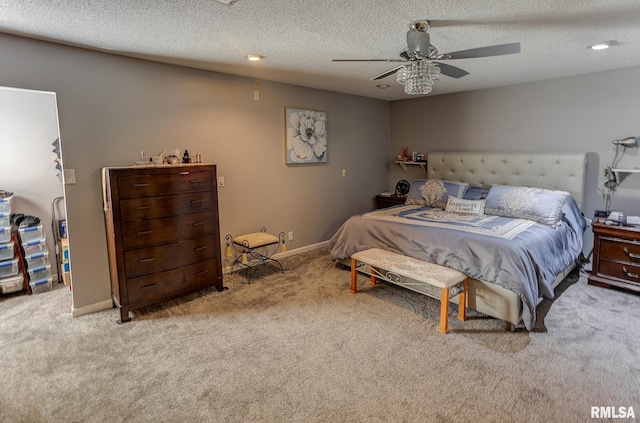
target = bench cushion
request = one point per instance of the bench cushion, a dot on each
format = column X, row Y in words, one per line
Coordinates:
column 256, row 240
column 432, row 274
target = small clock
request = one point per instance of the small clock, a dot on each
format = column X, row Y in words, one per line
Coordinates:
column 402, row 188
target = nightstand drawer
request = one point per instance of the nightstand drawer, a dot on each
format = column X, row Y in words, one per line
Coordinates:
column 627, row 272
column 620, row 250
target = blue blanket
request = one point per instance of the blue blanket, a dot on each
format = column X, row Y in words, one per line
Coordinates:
column 520, row 255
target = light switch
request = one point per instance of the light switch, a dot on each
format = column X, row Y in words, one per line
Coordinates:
column 69, row 176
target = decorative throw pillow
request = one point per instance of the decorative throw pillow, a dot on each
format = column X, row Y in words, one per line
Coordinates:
column 537, row 204
column 434, row 192
column 466, row 207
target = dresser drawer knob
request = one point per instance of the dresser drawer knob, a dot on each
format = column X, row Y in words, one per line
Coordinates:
column 140, row 185
column 631, row 255
column 204, row 247
column 631, row 275
column 143, row 207
column 146, row 260
column 205, row 271
column 184, row 173
column 196, row 181
column 144, row 232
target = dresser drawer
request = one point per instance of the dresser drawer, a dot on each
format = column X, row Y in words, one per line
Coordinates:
column 165, row 206
column 165, row 284
column 138, row 233
column 616, row 269
column 170, row 182
column 168, row 256
column 620, row 250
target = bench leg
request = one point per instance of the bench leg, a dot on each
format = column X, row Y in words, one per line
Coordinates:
column 462, row 302
column 444, row 310
column 373, row 278
column 354, row 276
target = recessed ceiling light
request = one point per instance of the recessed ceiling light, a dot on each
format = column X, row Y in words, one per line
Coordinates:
column 603, row 45
column 255, row 57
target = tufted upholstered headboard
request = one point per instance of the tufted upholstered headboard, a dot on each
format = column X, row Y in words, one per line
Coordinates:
column 560, row 171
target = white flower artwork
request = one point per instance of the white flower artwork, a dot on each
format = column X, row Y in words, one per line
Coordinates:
column 306, row 136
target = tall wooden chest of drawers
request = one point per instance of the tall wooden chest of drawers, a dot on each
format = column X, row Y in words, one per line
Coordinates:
column 163, row 234
column 616, row 257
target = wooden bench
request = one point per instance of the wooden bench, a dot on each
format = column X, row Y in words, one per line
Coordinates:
column 419, row 276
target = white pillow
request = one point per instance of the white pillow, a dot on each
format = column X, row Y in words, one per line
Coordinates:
column 466, row 207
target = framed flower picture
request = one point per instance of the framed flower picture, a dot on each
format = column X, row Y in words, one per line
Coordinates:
column 306, row 136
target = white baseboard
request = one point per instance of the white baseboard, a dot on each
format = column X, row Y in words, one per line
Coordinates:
column 293, row 252
column 92, row 308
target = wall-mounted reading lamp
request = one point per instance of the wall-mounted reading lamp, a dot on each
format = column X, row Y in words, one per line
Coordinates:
column 627, row 142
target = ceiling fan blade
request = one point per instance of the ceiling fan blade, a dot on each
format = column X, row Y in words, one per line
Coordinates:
column 451, row 71
column 387, row 73
column 497, row 50
column 368, row 60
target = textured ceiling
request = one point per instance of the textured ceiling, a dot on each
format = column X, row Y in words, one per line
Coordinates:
column 299, row 38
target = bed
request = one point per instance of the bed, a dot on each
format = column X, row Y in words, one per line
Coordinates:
column 514, row 258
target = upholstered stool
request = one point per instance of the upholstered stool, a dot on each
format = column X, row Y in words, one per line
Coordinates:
column 261, row 246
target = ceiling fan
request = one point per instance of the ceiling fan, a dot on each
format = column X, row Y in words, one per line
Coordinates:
column 420, row 51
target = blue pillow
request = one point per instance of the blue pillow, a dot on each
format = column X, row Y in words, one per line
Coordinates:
column 537, row 204
column 476, row 193
column 434, row 192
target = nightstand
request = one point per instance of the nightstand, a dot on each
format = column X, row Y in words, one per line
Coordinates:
column 384, row 201
column 616, row 257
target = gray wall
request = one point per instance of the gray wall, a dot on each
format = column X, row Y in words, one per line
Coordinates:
column 578, row 114
column 111, row 108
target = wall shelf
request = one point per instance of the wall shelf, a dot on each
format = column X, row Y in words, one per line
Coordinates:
column 404, row 164
column 617, row 172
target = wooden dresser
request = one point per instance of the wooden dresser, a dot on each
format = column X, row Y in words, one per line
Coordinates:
column 616, row 257
column 163, row 233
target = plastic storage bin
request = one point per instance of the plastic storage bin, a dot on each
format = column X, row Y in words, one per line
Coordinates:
column 31, row 233
column 8, row 268
column 35, row 246
column 6, row 204
column 42, row 285
column 40, row 272
column 5, row 234
column 37, row 259
column 6, row 251
column 5, row 219
column 12, row 284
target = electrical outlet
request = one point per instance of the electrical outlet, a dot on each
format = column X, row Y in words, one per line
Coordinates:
column 220, row 181
column 290, row 235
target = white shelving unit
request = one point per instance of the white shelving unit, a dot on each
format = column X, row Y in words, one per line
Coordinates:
column 617, row 172
column 404, row 164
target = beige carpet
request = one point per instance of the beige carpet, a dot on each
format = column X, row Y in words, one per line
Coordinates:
column 298, row 347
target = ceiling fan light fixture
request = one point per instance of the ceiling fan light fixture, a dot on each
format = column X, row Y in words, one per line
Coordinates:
column 254, row 57
column 418, row 77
